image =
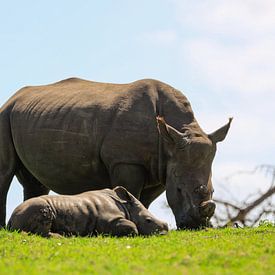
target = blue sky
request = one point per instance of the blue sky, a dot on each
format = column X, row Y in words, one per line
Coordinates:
column 219, row 53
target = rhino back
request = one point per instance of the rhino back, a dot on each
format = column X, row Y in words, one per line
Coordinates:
column 84, row 214
column 75, row 130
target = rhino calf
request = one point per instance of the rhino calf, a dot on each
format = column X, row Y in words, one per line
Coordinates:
column 108, row 211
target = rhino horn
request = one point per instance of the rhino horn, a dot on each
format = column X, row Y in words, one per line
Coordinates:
column 220, row 134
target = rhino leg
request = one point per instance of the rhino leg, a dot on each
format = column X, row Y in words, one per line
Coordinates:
column 123, row 227
column 33, row 217
column 130, row 176
column 8, row 160
column 148, row 195
column 32, row 187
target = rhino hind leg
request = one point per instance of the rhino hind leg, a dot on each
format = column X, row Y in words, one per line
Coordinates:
column 36, row 218
column 43, row 222
column 32, row 187
column 8, row 159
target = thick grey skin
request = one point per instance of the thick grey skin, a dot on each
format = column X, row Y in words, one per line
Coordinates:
column 115, row 212
column 76, row 135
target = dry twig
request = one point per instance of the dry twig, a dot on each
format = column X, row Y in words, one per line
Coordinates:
column 237, row 213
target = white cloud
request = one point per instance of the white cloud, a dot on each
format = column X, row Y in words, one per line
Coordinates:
column 229, row 44
column 232, row 18
column 242, row 68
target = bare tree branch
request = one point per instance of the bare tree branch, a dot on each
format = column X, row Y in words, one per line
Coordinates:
column 226, row 203
column 236, row 213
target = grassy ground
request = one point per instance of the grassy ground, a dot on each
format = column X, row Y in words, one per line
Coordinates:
column 212, row 251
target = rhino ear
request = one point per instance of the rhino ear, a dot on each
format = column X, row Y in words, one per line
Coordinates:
column 168, row 133
column 123, row 194
column 221, row 133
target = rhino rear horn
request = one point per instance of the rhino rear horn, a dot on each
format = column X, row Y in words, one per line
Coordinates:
column 123, row 194
column 220, row 134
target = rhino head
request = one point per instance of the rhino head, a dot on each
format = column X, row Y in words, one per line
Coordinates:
column 145, row 222
column 190, row 154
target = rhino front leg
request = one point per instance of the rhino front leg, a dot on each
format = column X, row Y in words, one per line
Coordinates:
column 130, row 176
column 32, row 187
column 5, row 181
column 123, row 227
column 148, row 195
column 8, row 159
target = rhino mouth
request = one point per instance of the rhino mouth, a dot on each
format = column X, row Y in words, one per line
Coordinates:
column 193, row 223
column 199, row 217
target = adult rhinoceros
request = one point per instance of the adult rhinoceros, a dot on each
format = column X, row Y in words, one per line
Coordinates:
column 76, row 135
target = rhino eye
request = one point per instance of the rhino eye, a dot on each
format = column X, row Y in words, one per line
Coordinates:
column 201, row 190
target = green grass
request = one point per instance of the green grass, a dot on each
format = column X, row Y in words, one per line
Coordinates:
column 212, row 251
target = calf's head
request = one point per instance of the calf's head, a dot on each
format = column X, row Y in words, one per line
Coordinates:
column 146, row 223
column 190, row 154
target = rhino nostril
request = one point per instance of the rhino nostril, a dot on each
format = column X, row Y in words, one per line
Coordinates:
column 207, row 203
column 207, row 208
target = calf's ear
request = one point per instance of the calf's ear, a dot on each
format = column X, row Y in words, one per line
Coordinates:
column 123, row 194
column 221, row 133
